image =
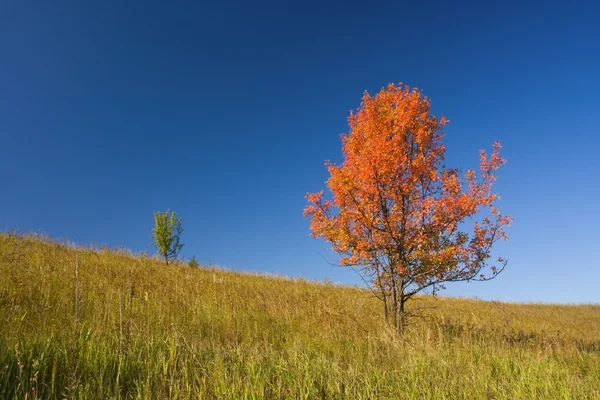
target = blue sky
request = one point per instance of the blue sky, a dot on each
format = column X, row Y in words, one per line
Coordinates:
column 226, row 112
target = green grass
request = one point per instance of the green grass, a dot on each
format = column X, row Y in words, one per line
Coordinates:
column 144, row 330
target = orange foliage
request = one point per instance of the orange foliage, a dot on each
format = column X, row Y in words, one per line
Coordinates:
column 396, row 211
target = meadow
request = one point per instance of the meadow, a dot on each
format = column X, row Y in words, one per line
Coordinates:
column 103, row 323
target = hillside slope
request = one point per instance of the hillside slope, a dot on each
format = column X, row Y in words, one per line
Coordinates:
column 129, row 327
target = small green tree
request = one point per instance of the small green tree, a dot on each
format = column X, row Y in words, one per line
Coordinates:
column 166, row 235
column 193, row 262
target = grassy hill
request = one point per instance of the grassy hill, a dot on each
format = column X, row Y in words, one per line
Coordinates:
column 106, row 324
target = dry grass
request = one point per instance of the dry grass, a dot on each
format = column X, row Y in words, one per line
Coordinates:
column 143, row 330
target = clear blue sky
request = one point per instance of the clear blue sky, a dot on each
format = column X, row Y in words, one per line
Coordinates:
column 225, row 112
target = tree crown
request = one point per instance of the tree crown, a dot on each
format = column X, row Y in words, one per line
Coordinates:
column 396, row 209
column 166, row 234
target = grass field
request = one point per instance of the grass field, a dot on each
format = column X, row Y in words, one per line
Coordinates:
column 106, row 324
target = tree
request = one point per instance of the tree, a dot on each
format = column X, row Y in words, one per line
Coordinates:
column 166, row 235
column 397, row 214
column 193, row 262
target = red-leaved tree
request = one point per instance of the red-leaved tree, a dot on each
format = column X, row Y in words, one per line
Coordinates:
column 397, row 214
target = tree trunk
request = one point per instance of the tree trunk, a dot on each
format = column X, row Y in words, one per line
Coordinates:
column 395, row 299
column 398, row 319
column 384, row 297
column 385, row 305
column 402, row 312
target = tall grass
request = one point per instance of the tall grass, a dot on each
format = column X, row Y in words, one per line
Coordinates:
column 146, row 330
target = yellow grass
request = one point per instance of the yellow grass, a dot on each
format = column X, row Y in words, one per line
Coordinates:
column 131, row 327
